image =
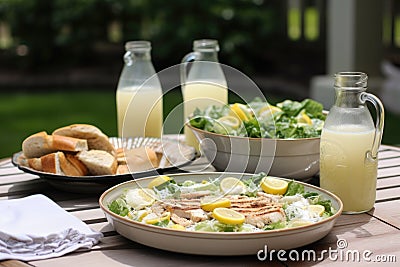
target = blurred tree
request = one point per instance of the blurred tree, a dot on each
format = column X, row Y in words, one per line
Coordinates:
column 32, row 29
column 251, row 33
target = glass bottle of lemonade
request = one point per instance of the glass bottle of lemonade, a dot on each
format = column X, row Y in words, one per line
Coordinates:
column 350, row 143
column 204, row 84
column 139, row 93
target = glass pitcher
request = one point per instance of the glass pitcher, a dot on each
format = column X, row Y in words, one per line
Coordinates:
column 350, row 143
column 204, row 84
column 139, row 93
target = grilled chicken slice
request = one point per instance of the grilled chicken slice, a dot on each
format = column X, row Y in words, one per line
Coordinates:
column 183, row 204
column 195, row 215
column 181, row 221
column 258, row 211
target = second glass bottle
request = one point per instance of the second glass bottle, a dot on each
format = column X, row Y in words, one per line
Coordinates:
column 139, row 93
column 204, row 84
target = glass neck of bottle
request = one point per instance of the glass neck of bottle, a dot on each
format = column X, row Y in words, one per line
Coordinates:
column 348, row 98
column 208, row 55
column 206, row 50
column 349, row 87
column 132, row 56
column 140, row 55
column 137, row 51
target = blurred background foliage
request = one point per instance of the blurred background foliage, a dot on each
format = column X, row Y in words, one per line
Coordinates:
column 64, row 33
column 59, row 55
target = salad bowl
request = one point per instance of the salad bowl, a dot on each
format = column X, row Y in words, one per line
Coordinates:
column 215, row 243
column 280, row 140
column 291, row 158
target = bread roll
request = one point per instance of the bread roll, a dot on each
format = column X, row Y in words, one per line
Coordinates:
column 37, row 145
column 72, row 166
column 122, row 169
column 51, row 163
column 35, row 163
column 64, row 143
column 98, row 162
column 141, row 159
column 96, row 139
column 41, row 144
column 59, row 163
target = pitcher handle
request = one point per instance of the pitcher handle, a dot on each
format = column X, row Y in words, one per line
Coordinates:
column 380, row 118
column 188, row 58
column 128, row 58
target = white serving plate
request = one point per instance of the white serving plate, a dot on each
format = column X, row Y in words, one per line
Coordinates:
column 205, row 243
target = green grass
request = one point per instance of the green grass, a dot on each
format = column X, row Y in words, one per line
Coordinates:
column 23, row 114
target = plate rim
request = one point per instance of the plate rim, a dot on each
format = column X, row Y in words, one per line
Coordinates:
column 104, row 178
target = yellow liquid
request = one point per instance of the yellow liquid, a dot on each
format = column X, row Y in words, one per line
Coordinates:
column 344, row 169
column 139, row 112
column 201, row 95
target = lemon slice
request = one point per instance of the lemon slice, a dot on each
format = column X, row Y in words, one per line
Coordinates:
column 211, row 203
column 158, row 181
column 232, row 186
column 240, row 111
column 177, row 227
column 297, row 223
column 268, row 111
column 228, row 216
column 316, row 210
column 140, row 198
column 230, row 121
column 166, row 217
column 142, row 214
column 303, row 118
column 274, row 186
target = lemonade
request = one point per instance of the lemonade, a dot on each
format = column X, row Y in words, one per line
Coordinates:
column 139, row 114
column 344, row 168
column 200, row 95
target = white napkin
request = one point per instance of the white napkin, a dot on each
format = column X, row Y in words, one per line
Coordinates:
column 34, row 228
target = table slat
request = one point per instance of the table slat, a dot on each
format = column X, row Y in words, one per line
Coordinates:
column 387, row 194
column 14, row 263
column 388, row 211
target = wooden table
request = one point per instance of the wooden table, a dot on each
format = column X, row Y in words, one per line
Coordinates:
column 376, row 233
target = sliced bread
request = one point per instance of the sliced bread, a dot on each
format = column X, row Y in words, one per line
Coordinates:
column 141, row 159
column 37, row 145
column 72, row 166
column 65, row 143
column 51, row 163
column 35, row 163
column 98, row 162
column 41, row 144
column 96, row 139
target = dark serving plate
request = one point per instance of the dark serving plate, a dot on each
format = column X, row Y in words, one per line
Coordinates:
column 175, row 155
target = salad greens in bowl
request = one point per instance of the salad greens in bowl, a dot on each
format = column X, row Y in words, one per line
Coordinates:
column 282, row 140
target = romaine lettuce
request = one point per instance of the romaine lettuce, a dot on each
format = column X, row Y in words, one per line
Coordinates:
column 283, row 124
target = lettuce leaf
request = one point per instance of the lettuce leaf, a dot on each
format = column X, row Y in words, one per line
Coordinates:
column 253, row 184
column 277, row 225
column 313, row 108
column 282, row 124
column 294, row 188
column 119, row 207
